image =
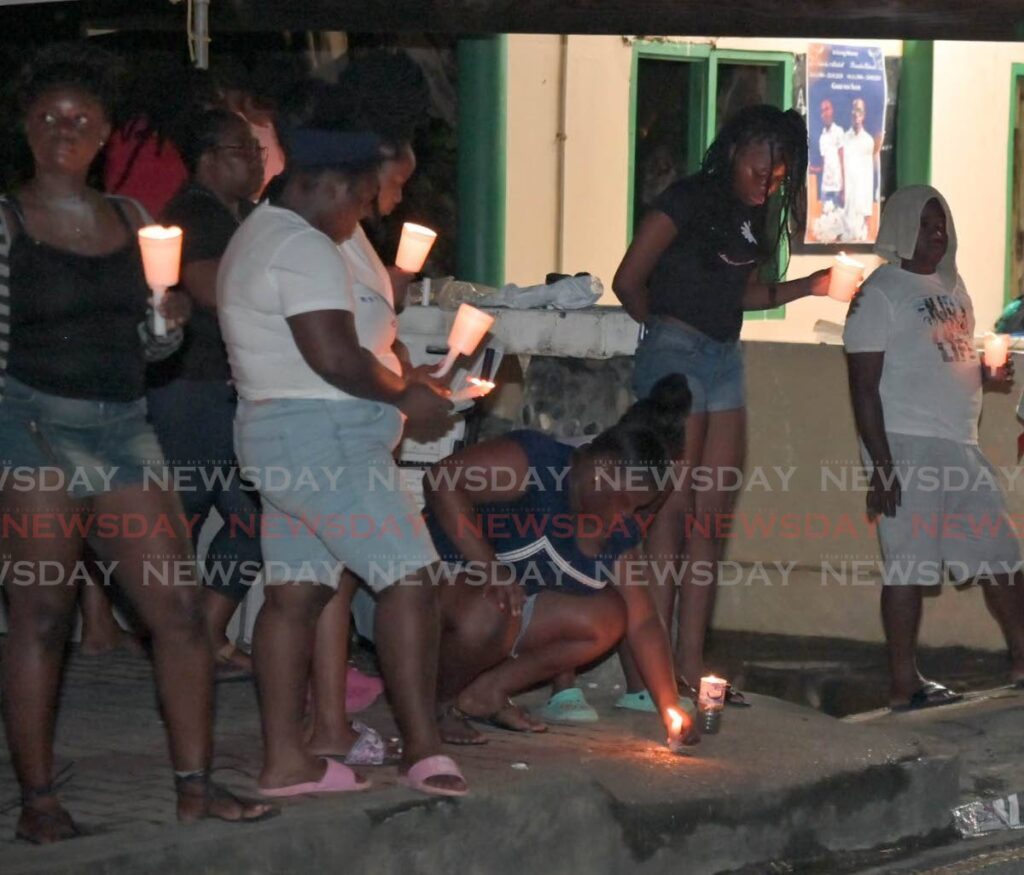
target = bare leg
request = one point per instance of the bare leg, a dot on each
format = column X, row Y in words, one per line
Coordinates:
column 724, row 447
column 282, row 654
column 901, row 620
column 218, row 610
column 1004, row 595
column 159, row 575
column 101, row 633
column 331, row 731
column 565, row 632
column 408, row 630
column 39, row 622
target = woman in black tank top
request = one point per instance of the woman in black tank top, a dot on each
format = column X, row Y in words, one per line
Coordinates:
column 72, row 360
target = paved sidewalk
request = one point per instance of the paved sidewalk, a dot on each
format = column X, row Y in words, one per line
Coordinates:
column 780, row 781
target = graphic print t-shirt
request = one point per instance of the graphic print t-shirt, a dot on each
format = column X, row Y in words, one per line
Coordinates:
column 931, row 379
column 700, row 284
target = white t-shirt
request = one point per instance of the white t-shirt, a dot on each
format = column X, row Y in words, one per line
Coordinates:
column 278, row 265
column 829, row 143
column 931, row 379
column 859, row 172
column 375, row 299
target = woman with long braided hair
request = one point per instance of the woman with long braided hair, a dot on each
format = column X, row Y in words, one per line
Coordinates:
column 710, row 248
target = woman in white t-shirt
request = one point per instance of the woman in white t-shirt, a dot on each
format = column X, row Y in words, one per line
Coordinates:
column 322, row 405
column 338, row 688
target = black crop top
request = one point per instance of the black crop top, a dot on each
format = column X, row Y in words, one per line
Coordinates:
column 74, row 318
column 701, row 276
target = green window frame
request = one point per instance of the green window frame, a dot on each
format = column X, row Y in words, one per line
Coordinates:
column 702, row 106
column 1016, row 83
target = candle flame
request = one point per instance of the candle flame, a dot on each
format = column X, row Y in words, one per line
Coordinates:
column 677, row 721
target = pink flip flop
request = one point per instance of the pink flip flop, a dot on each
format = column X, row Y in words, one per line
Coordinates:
column 361, row 690
column 337, row 778
column 432, row 767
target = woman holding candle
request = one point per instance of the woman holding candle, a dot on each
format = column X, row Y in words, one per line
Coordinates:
column 386, row 94
column 73, row 399
column 536, row 531
column 708, row 250
column 323, row 397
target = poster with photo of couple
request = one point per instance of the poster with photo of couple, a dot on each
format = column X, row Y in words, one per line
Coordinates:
column 846, row 99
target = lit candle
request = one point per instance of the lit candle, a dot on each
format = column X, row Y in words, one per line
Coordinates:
column 414, row 247
column 475, row 388
column 468, row 330
column 997, row 348
column 845, row 278
column 675, row 731
column 710, row 702
column 161, row 262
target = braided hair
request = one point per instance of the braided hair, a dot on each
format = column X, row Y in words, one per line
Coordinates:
column 785, row 132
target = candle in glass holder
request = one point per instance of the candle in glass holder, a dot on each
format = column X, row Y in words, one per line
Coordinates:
column 846, row 276
column 468, row 330
column 161, row 262
column 997, row 349
column 710, row 702
column 414, row 247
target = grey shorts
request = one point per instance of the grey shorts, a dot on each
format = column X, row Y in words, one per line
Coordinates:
column 332, row 495
column 952, row 521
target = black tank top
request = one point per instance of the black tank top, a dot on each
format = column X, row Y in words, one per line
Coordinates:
column 74, row 318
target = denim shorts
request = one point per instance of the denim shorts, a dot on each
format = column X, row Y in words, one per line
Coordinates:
column 332, row 494
column 713, row 368
column 72, row 445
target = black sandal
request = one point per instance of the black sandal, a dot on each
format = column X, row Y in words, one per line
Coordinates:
column 208, row 791
column 59, row 818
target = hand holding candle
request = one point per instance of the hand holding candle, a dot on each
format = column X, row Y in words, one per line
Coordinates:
column 414, row 247
column 161, row 261
column 997, row 349
column 675, row 731
column 468, row 330
column 847, row 275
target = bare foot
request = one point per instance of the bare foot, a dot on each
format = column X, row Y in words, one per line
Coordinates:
column 502, row 713
column 201, row 799
column 231, row 662
column 44, row 821
column 455, row 728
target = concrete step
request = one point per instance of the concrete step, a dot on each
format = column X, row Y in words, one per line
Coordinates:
column 780, row 782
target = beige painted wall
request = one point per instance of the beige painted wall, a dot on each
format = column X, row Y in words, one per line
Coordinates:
column 800, row 422
column 971, row 100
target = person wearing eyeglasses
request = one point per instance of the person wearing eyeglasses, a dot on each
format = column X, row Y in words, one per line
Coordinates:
column 191, row 397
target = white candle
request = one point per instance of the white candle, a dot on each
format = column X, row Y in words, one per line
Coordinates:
column 846, row 276
column 161, row 262
column 467, row 331
column 414, row 247
column 997, row 348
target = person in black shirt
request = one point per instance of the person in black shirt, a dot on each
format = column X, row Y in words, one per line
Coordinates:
column 708, row 250
column 191, row 399
column 72, row 403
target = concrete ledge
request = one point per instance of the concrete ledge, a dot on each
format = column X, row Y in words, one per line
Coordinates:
column 779, row 782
